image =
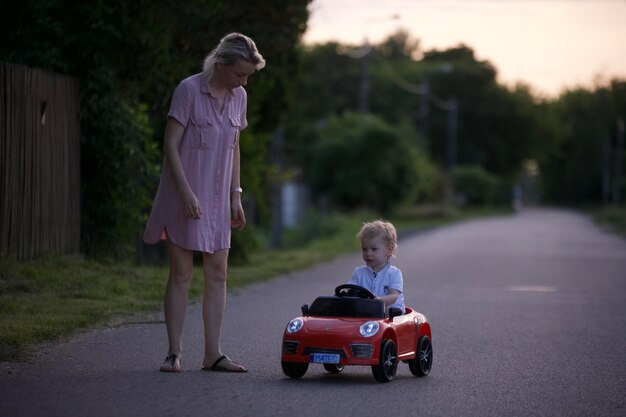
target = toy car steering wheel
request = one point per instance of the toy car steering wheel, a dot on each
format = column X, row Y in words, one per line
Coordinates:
column 351, row 290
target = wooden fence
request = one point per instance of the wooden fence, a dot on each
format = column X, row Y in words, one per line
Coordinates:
column 39, row 162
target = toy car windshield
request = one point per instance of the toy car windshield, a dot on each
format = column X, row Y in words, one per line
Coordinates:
column 333, row 306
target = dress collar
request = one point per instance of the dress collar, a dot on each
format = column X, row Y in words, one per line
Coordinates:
column 207, row 88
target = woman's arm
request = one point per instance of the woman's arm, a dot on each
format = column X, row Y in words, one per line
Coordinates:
column 173, row 135
column 238, row 218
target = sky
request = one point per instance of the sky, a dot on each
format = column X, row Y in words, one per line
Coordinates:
column 550, row 45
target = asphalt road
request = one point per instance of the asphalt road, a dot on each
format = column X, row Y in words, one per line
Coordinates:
column 528, row 315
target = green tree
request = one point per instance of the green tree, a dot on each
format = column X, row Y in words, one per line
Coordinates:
column 495, row 124
column 399, row 46
column 498, row 127
column 587, row 148
column 476, row 186
column 129, row 56
column 361, row 161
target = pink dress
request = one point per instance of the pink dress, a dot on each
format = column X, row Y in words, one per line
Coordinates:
column 206, row 151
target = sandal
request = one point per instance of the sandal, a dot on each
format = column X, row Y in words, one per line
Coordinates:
column 170, row 364
column 219, row 367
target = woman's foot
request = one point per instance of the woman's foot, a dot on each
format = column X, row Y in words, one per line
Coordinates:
column 171, row 364
column 224, row 364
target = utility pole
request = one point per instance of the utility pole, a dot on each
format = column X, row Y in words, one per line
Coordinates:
column 364, row 85
column 619, row 156
column 277, row 160
column 451, row 157
column 451, row 106
column 424, row 111
column 606, row 168
column 365, row 55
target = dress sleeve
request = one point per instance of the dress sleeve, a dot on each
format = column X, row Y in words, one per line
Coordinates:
column 180, row 107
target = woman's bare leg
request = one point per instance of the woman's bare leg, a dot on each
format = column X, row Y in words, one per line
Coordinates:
column 175, row 303
column 214, row 302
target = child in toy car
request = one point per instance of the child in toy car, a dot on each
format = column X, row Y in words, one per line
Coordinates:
column 379, row 243
column 358, row 327
column 354, row 329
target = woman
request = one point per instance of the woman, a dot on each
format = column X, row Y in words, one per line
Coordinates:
column 199, row 195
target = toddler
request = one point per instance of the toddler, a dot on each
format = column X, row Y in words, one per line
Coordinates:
column 379, row 244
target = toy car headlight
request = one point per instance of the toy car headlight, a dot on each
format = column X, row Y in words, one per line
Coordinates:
column 294, row 325
column 369, row 329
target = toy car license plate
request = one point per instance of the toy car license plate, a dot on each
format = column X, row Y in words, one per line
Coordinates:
column 325, row 358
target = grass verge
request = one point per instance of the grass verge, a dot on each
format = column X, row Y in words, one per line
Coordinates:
column 612, row 218
column 54, row 296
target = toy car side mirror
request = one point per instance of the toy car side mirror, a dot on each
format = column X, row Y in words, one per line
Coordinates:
column 394, row 312
column 305, row 309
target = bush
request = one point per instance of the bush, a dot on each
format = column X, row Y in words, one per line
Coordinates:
column 475, row 185
column 118, row 160
column 314, row 225
column 361, row 161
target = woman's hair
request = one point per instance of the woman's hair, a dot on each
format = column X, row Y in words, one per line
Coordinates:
column 232, row 47
column 380, row 228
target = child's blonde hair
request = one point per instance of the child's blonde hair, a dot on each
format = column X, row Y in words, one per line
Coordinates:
column 380, row 228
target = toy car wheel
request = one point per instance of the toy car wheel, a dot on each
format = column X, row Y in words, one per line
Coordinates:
column 420, row 366
column 333, row 368
column 388, row 365
column 294, row 369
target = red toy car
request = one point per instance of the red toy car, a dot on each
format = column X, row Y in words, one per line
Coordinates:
column 351, row 328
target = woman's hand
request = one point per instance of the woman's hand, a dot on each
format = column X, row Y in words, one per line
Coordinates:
column 238, row 218
column 191, row 206
column 173, row 135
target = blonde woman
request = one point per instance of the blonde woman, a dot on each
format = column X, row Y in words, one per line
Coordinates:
column 199, row 196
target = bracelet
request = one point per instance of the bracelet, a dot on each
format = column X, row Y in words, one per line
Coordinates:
column 236, row 190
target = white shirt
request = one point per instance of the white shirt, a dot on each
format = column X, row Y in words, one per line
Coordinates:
column 379, row 283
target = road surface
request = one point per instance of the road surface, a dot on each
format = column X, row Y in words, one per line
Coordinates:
column 528, row 314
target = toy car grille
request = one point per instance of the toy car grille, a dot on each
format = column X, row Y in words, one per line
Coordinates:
column 312, row 350
column 361, row 350
column 290, row 347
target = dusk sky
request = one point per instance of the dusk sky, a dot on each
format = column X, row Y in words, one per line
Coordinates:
column 547, row 44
